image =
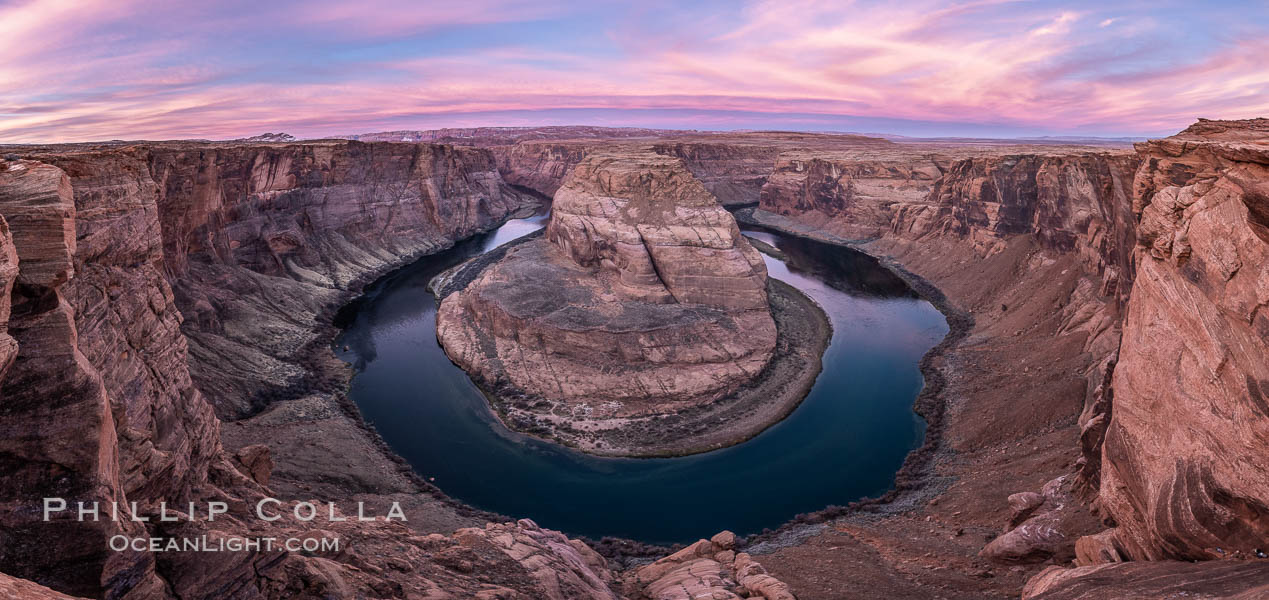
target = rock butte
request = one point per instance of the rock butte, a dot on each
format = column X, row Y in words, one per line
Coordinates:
column 165, row 307
column 641, row 300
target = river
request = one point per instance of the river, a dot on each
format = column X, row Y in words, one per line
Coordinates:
column 843, row 443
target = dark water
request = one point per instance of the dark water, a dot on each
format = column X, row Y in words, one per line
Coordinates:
column 844, row 442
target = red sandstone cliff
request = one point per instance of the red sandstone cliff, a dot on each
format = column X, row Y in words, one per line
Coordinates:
column 101, row 252
column 1183, row 469
column 8, row 273
column 732, row 166
column 267, row 237
column 1172, row 430
column 249, row 238
column 858, row 194
column 98, row 402
column 61, row 437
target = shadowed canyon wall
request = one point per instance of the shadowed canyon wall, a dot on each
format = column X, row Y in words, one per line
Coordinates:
column 263, row 238
column 99, row 404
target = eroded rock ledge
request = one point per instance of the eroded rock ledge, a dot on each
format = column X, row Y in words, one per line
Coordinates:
column 641, row 311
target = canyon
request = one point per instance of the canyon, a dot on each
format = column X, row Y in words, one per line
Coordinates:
column 1096, row 416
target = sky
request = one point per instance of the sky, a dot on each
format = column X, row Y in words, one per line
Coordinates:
column 81, row 70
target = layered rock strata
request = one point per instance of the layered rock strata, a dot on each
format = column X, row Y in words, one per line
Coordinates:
column 264, row 238
column 1165, row 261
column 1224, row 580
column 99, row 405
column 1035, row 390
column 642, row 300
column 858, row 195
column 1184, row 474
column 732, row 166
column 706, row 569
column 1074, row 204
column 60, row 436
column 8, row 274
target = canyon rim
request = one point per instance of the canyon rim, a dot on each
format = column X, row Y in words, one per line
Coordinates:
column 753, row 300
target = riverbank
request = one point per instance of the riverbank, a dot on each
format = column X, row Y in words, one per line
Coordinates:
column 1005, row 387
column 352, row 462
column 912, row 482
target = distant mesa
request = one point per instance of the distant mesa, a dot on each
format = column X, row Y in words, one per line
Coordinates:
column 267, row 138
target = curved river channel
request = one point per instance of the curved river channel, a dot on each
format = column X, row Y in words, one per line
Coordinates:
column 843, row 443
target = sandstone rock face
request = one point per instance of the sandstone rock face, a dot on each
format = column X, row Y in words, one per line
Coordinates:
column 540, row 166
column 98, row 403
column 645, row 219
column 1069, row 202
column 1066, row 202
column 642, row 299
column 12, row 587
column 296, row 209
column 8, row 274
column 706, row 569
column 1216, row 580
column 265, row 237
column 859, row 193
column 1077, row 203
column 734, row 172
column 58, row 435
column 1037, row 529
column 560, row 568
column 1183, row 464
column 129, row 330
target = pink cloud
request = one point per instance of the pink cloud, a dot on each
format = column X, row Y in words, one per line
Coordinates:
column 68, row 76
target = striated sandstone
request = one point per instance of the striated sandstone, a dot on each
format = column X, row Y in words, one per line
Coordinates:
column 1183, row 470
column 21, row 589
column 8, row 274
column 642, row 299
column 1033, row 321
column 58, row 437
column 99, row 406
column 734, row 171
column 1217, row 580
column 858, row 194
column 261, row 239
column 129, row 329
column 706, row 569
column 1039, row 528
column 1069, row 204
column 646, row 219
column 540, row 166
